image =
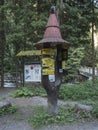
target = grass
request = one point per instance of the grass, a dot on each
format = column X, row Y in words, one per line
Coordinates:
column 65, row 115
column 42, row 117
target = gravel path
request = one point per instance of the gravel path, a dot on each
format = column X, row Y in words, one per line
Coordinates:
column 19, row 120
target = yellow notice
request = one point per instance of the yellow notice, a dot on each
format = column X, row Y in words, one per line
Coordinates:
column 48, row 51
column 47, row 71
column 48, row 62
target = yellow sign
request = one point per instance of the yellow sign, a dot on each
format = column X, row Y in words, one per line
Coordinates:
column 48, row 51
column 29, row 53
column 48, row 71
column 47, row 62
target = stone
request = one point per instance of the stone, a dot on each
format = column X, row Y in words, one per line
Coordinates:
column 80, row 107
column 76, row 105
column 5, row 104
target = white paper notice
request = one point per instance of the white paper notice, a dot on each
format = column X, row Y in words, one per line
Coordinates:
column 52, row 78
column 32, row 73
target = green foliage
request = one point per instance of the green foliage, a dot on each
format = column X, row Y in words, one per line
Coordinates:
column 73, row 63
column 77, row 24
column 42, row 117
column 7, row 110
column 82, row 91
column 95, row 110
column 40, row 91
column 29, row 92
column 24, row 92
column 24, row 26
column 87, row 59
column 65, row 115
column 25, row 23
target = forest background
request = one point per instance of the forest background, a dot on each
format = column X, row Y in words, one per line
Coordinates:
column 22, row 23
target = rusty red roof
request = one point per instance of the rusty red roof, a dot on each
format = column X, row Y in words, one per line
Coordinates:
column 52, row 33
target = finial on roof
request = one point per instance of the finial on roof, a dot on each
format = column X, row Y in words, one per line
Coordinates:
column 53, row 9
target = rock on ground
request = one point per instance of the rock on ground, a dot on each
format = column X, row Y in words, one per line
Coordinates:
column 5, row 104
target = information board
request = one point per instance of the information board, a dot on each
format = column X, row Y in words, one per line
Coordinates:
column 32, row 73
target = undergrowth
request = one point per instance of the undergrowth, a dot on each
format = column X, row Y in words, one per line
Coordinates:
column 29, row 92
column 65, row 115
column 7, row 110
column 82, row 91
column 76, row 92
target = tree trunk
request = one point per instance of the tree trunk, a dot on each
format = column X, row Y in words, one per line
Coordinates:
column 59, row 5
column 2, row 42
column 52, row 102
column 93, row 49
column 16, row 43
column 52, row 94
column 38, row 7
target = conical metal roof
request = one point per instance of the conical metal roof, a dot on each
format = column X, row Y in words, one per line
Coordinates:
column 52, row 34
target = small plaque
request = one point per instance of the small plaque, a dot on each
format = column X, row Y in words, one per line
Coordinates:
column 60, row 70
column 52, row 78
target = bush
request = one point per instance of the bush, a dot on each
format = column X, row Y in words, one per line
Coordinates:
column 79, row 91
column 24, row 92
column 29, row 92
column 7, row 110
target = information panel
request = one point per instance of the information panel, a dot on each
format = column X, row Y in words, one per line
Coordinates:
column 32, row 73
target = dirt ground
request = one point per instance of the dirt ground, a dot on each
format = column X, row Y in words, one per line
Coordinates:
column 19, row 120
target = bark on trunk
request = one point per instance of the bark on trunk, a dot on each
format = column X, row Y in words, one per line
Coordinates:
column 52, row 103
column 52, row 90
column 2, row 42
